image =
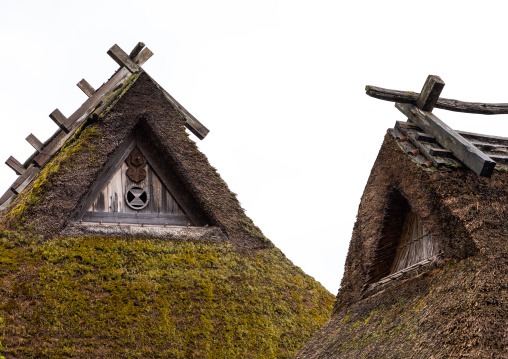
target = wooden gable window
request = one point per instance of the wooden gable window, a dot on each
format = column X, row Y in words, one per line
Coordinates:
column 404, row 240
column 137, row 188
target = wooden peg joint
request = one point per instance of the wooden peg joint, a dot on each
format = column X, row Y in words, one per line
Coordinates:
column 143, row 56
column 86, row 88
column 136, row 50
column 122, row 59
column 59, row 119
column 34, row 141
column 431, row 90
column 15, row 165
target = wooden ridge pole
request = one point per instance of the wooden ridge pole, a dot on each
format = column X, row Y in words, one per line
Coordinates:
column 442, row 103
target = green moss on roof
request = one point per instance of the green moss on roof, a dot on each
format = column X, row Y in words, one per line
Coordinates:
column 138, row 298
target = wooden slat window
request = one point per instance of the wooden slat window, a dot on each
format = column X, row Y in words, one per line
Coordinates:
column 403, row 239
column 415, row 245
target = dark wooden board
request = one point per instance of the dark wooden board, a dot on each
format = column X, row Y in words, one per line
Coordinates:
column 449, row 139
column 440, row 152
column 407, row 125
column 430, row 93
column 421, row 136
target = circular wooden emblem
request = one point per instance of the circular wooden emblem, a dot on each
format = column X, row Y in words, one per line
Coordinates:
column 136, row 197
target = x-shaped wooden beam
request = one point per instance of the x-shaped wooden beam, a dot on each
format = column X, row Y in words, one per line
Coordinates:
column 422, row 116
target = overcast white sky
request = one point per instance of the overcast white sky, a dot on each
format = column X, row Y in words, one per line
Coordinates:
column 280, row 85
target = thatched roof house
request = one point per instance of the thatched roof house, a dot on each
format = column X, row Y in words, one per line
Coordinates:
column 425, row 276
column 120, row 240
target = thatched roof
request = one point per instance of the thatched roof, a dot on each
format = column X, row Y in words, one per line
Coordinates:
column 451, row 306
column 49, row 203
column 219, row 289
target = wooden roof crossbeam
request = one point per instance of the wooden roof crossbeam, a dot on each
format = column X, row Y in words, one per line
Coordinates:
column 67, row 126
column 442, row 103
column 418, row 109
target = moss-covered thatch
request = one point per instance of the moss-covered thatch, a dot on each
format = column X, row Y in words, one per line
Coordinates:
column 65, row 295
column 97, row 297
column 457, row 310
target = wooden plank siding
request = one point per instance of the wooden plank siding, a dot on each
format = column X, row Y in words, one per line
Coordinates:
column 111, row 206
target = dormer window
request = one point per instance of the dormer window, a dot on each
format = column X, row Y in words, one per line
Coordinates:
column 415, row 244
column 404, row 242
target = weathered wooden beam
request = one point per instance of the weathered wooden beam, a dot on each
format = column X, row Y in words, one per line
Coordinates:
column 136, row 50
column 499, row 158
column 86, row 87
column 442, row 103
column 34, row 141
column 441, row 152
column 421, row 136
column 476, row 137
column 448, row 138
column 59, row 119
column 15, row 165
column 430, row 93
column 143, row 56
column 122, row 59
column 6, row 198
column 24, row 180
column 191, row 122
column 80, row 115
column 482, row 146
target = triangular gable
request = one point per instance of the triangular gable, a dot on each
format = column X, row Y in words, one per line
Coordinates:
column 136, row 188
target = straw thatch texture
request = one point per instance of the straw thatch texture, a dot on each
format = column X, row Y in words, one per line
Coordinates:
column 456, row 309
column 50, row 202
column 173, row 295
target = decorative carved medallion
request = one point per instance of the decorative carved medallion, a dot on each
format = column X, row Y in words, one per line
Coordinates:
column 136, row 197
column 136, row 163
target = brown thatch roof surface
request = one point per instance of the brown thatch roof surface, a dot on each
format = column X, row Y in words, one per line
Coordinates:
column 180, row 295
column 52, row 199
column 456, row 308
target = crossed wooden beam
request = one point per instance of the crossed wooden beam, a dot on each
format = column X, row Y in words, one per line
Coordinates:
column 129, row 64
column 418, row 109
